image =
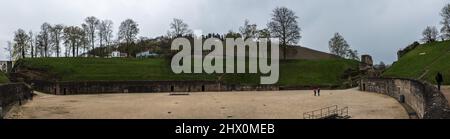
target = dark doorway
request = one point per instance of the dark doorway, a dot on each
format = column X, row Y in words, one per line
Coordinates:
column 172, row 88
column 203, row 88
column 64, row 92
column 364, row 87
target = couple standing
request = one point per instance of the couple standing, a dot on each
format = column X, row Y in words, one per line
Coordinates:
column 316, row 91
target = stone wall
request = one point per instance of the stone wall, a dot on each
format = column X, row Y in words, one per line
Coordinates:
column 12, row 94
column 96, row 87
column 423, row 98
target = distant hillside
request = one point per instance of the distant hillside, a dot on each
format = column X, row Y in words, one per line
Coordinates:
column 298, row 52
column 292, row 73
column 3, row 78
column 423, row 62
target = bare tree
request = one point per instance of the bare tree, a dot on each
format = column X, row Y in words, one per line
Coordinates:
column 232, row 34
column 430, row 34
column 248, row 30
column 72, row 36
column 127, row 31
column 445, row 30
column 39, row 45
column 85, row 38
column 263, row 33
column 284, row 25
column 178, row 28
column 105, row 30
column 352, row 54
column 92, row 24
column 338, row 45
column 20, row 47
column 45, row 39
column 31, row 43
column 56, row 33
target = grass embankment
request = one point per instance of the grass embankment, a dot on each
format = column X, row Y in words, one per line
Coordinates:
column 3, row 78
column 292, row 72
column 426, row 60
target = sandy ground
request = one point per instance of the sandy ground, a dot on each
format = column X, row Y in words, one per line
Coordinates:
column 209, row 105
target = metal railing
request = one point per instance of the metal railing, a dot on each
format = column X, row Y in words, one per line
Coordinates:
column 331, row 112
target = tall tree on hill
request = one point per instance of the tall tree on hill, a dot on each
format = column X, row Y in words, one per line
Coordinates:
column 430, row 34
column 20, row 47
column 128, row 31
column 284, row 25
column 445, row 30
column 31, row 43
column 105, row 30
column 56, row 33
column 178, row 28
column 72, row 36
column 85, row 38
column 248, row 30
column 92, row 25
column 10, row 49
column 263, row 33
column 352, row 54
column 232, row 34
column 338, row 45
column 39, row 45
column 45, row 39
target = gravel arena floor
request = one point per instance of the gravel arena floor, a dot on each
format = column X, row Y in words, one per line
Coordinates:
column 208, row 105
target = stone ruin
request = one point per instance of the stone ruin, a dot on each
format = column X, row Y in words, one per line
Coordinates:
column 367, row 68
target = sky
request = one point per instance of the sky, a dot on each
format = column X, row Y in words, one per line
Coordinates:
column 375, row 27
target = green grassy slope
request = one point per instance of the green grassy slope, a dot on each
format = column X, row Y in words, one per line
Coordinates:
column 426, row 60
column 293, row 72
column 3, row 78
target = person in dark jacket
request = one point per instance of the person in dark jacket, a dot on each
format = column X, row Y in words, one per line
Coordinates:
column 439, row 80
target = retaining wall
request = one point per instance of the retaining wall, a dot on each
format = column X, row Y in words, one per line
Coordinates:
column 12, row 94
column 96, row 87
column 426, row 100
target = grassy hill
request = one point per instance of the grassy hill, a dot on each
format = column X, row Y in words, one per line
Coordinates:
column 292, row 72
column 423, row 63
column 3, row 78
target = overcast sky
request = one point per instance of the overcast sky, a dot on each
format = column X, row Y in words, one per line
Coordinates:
column 375, row 27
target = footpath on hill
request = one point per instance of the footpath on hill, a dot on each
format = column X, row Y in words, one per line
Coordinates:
column 446, row 92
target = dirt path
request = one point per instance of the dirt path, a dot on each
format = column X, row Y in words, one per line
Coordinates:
column 211, row 105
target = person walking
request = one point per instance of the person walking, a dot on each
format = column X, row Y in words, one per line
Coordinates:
column 315, row 91
column 318, row 91
column 439, row 80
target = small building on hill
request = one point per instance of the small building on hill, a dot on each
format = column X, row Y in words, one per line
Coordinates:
column 117, row 54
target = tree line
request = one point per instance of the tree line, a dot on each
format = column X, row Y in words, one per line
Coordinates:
column 95, row 35
column 76, row 40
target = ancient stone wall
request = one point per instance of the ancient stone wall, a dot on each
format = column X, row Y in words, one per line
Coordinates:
column 96, row 87
column 424, row 98
column 12, row 94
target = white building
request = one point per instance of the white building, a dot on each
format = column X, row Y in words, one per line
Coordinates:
column 116, row 54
